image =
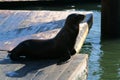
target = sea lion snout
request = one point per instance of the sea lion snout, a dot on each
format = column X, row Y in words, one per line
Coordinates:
column 74, row 19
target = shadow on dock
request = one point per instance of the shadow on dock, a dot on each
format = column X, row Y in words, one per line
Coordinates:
column 32, row 29
column 27, row 67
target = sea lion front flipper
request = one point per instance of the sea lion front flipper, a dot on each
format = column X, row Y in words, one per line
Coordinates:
column 64, row 58
column 73, row 51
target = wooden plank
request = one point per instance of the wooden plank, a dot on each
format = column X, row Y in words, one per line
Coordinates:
column 81, row 36
column 69, row 71
column 41, row 70
column 76, row 68
column 39, row 20
column 14, row 21
column 10, row 44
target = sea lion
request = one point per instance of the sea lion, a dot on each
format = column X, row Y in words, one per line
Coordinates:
column 60, row 47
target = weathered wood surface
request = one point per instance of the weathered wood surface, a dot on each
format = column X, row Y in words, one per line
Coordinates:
column 22, row 25
column 43, row 70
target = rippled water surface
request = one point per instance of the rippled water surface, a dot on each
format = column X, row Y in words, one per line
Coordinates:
column 104, row 56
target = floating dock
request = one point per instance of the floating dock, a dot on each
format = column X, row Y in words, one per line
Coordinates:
column 17, row 26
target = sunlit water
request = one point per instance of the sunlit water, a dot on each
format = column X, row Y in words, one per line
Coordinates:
column 92, row 47
column 104, row 56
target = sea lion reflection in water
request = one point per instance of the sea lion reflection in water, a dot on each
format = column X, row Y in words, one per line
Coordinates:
column 60, row 47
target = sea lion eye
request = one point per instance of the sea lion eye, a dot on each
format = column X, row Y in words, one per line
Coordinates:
column 80, row 17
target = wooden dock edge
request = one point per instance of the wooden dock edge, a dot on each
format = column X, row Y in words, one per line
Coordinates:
column 75, row 69
column 81, row 71
column 84, row 28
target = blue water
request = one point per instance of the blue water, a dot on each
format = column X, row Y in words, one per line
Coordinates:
column 104, row 55
column 92, row 47
column 95, row 54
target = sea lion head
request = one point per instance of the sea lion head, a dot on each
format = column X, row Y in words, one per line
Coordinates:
column 73, row 20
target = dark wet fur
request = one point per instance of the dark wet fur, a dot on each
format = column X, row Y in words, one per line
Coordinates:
column 60, row 47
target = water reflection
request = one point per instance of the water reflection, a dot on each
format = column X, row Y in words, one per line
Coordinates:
column 93, row 48
column 104, row 57
column 95, row 55
column 110, row 61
